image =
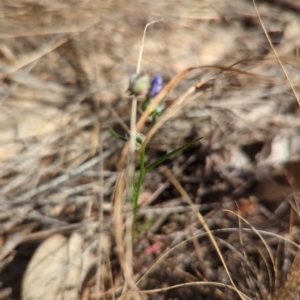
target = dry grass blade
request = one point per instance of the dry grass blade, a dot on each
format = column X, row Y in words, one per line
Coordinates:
column 44, row 49
column 275, row 53
column 257, row 232
column 199, row 283
column 290, row 290
column 175, row 182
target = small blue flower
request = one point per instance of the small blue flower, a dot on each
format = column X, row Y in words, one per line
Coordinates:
column 156, row 86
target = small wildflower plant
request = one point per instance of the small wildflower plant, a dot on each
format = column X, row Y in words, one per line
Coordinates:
column 140, row 85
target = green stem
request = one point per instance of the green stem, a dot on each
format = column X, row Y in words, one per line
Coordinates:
column 138, row 186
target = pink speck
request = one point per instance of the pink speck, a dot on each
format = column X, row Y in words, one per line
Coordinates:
column 153, row 248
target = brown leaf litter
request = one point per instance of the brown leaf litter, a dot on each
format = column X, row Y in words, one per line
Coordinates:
column 64, row 70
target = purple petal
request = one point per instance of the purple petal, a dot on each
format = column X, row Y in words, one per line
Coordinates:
column 156, row 85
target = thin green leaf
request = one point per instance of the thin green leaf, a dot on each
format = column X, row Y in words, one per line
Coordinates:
column 134, row 189
column 117, row 135
column 142, row 160
column 134, row 186
column 168, row 155
column 138, row 185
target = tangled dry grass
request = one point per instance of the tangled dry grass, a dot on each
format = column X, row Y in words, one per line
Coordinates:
column 64, row 69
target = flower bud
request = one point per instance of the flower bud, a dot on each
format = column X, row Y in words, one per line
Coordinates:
column 139, row 84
